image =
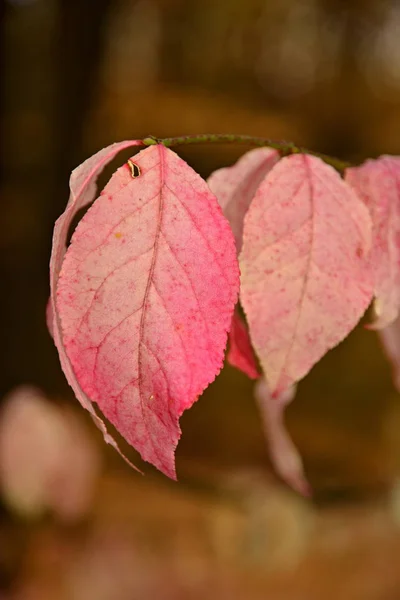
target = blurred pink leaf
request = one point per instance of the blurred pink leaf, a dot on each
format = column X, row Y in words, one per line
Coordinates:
column 284, row 455
column 145, row 298
column 240, row 353
column 111, row 565
column 83, row 189
column 378, row 184
column 305, row 282
column 390, row 338
column 46, row 457
column 235, row 186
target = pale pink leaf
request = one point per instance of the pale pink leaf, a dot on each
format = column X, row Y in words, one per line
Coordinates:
column 146, row 297
column 305, row 282
column 378, row 184
column 284, row 455
column 240, row 353
column 46, row 458
column 235, row 186
column 83, row 189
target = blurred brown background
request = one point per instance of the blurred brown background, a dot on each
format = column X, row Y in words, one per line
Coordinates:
column 80, row 74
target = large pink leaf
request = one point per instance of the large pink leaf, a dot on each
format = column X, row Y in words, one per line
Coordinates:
column 240, row 353
column 305, row 284
column 83, row 188
column 378, row 184
column 146, row 296
column 235, row 186
column 284, row 455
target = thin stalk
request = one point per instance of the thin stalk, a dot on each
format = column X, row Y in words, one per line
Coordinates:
column 283, row 147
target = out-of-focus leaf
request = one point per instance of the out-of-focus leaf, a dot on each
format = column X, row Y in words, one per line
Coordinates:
column 378, row 184
column 47, row 461
column 236, row 186
column 284, row 454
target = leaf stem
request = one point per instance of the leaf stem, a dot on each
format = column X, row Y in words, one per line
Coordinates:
column 283, row 147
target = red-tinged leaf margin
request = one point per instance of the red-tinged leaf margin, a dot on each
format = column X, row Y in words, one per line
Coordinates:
column 155, row 383
column 240, row 352
column 304, row 218
column 377, row 182
column 82, row 192
column 236, row 186
column 284, row 455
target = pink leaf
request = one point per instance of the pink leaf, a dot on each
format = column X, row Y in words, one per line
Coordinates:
column 305, row 284
column 378, row 184
column 240, row 353
column 46, row 457
column 83, row 189
column 235, row 186
column 146, row 296
column 284, row 454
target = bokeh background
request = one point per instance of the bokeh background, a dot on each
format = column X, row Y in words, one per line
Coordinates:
column 77, row 75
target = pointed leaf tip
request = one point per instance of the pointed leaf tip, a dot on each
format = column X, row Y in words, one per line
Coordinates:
column 284, row 455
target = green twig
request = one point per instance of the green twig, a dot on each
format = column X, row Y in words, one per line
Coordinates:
column 283, row 147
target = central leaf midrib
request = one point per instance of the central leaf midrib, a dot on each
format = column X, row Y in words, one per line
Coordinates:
column 306, row 275
column 141, row 343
